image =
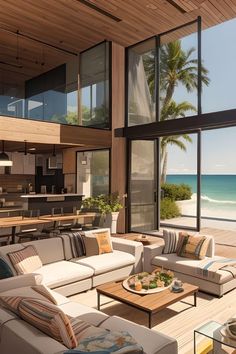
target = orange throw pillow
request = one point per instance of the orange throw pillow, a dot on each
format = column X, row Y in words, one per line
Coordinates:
column 104, row 242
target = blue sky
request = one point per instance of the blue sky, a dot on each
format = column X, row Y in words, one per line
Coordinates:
column 218, row 146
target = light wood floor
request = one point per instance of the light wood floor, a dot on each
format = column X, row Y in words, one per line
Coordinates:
column 180, row 319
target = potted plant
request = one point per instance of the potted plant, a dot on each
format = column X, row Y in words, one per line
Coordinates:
column 108, row 206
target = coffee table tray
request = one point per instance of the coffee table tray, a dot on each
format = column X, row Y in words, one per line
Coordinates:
column 143, row 291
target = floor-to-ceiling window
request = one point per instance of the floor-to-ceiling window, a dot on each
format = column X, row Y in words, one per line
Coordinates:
column 93, row 171
column 184, row 76
column 94, row 84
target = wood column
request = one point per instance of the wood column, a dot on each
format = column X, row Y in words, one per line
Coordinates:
column 118, row 151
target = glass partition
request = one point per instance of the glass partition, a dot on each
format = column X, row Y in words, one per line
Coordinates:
column 94, row 83
column 141, row 83
column 93, row 172
column 143, row 186
column 46, row 88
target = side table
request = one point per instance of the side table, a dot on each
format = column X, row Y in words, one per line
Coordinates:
column 147, row 240
column 212, row 330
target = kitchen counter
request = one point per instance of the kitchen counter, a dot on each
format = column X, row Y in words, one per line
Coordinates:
column 51, row 195
column 46, row 202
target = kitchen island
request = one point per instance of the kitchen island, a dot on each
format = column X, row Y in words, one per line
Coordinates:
column 46, row 202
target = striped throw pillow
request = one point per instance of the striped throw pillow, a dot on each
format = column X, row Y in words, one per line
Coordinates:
column 11, row 302
column 49, row 319
column 171, row 240
column 26, row 260
column 192, row 246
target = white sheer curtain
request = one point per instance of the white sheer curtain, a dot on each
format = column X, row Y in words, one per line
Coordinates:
column 141, row 107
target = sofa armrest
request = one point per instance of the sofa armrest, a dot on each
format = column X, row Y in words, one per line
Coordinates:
column 132, row 247
column 149, row 252
column 20, row 281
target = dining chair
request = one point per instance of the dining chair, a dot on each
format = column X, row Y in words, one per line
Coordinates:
column 30, row 232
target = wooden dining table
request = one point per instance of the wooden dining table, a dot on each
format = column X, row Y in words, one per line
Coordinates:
column 83, row 218
column 16, row 221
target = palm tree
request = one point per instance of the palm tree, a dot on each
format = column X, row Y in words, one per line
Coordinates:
column 176, row 67
column 173, row 111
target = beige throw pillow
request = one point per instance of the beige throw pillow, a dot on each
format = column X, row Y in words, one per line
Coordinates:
column 98, row 243
column 26, row 260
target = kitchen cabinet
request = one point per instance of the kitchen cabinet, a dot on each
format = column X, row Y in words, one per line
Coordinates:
column 17, row 163
column 23, row 164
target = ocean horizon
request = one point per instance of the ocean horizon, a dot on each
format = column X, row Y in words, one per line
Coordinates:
column 218, row 194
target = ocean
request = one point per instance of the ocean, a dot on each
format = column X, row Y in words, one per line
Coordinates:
column 218, row 195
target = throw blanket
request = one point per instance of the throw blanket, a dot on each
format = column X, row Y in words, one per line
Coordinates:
column 209, row 268
column 77, row 244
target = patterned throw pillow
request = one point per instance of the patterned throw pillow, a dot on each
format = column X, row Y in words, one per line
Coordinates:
column 193, row 247
column 171, row 240
column 104, row 341
column 26, row 260
column 104, row 242
column 5, row 270
column 98, row 243
column 49, row 319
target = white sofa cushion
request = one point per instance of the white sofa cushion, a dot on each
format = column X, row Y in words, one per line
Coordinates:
column 20, row 281
column 63, row 272
column 106, row 262
column 83, row 312
column 190, row 266
column 49, row 250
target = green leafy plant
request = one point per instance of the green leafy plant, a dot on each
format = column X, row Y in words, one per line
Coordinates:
column 169, row 209
column 176, row 191
column 103, row 203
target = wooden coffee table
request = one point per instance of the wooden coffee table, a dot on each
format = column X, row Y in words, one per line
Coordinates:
column 150, row 303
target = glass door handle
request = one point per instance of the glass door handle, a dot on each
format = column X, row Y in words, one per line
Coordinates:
column 155, row 196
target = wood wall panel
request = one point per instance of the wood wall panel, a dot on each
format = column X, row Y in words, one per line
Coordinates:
column 14, row 129
column 10, row 182
column 87, row 136
column 118, row 152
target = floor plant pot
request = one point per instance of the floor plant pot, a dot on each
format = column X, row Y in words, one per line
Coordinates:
column 110, row 221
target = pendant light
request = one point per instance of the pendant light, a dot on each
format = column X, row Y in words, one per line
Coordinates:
column 4, row 158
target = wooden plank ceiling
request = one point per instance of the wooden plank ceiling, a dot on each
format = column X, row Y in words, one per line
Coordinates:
column 76, row 25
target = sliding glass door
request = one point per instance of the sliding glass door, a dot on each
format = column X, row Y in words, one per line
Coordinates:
column 165, row 182
column 142, row 186
column 180, row 180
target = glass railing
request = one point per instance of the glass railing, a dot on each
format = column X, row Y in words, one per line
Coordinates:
column 59, row 105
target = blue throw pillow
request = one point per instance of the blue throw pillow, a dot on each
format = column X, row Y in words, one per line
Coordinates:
column 5, row 270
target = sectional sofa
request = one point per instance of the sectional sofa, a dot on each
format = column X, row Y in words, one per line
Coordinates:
column 67, row 275
column 189, row 270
